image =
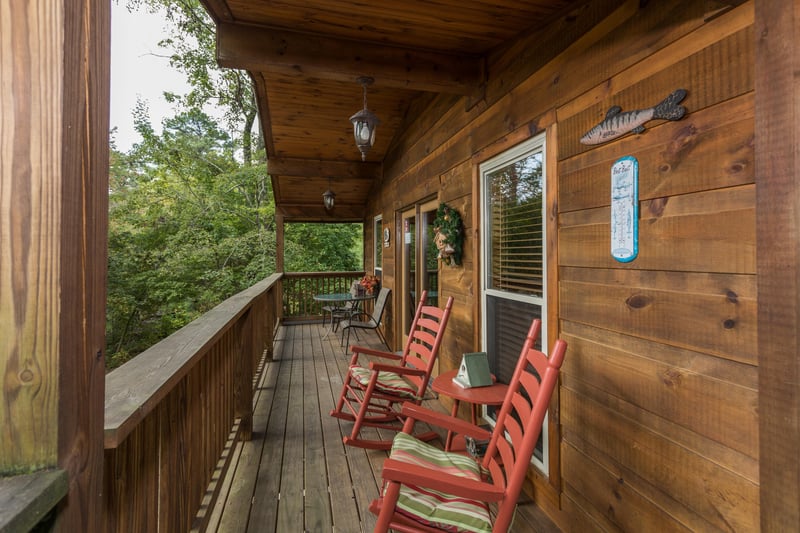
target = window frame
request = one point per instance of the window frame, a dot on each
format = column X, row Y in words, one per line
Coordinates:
column 533, row 145
column 377, row 249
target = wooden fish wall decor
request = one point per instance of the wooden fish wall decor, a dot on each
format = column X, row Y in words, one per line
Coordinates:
column 617, row 124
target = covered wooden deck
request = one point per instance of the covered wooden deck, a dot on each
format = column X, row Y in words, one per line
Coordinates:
column 295, row 474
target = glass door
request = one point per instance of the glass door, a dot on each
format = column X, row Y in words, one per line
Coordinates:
column 419, row 264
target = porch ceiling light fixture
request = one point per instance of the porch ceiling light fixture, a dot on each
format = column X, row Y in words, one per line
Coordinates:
column 328, row 197
column 364, row 122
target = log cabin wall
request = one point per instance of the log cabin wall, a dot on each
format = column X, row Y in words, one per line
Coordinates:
column 657, row 408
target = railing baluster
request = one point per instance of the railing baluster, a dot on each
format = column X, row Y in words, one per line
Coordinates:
column 170, row 411
column 299, row 289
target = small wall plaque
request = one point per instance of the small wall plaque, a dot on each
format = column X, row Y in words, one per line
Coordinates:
column 625, row 209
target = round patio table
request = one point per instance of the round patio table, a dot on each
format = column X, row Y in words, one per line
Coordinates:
column 493, row 394
column 339, row 299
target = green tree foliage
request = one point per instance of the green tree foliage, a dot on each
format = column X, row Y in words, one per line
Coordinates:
column 189, row 225
column 190, row 47
column 323, row 248
column 191, row 214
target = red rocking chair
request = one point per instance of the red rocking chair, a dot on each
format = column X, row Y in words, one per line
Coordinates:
column 427, row 489
column 373, row 394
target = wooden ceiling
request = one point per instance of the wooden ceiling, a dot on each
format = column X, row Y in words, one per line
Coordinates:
column 305, row 56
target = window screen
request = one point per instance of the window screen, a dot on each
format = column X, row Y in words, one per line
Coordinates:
column 514, row 207
column 507, row 324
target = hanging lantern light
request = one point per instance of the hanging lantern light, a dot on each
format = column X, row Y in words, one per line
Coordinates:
column 328, row 197
column 364, row 122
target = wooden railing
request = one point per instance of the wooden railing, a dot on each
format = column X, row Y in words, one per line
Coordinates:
column 171, row 410
column 299, row 289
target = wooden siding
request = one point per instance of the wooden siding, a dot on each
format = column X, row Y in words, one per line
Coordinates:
column 657, row 421
column 777, row 26
column 663, row 350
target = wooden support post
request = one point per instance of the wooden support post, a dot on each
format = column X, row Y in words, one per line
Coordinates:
column 243, row 386
column 777, row 110
column 54, row 60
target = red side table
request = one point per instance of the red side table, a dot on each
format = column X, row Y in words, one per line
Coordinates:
column 491, row 395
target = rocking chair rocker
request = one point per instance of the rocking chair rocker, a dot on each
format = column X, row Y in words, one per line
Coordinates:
column 427, row 489
column 373, row 394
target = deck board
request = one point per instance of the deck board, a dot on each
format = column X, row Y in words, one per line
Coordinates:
column 318, row 512
column 296, row 474
column 264, row 510
column 343, row 504
column 291, row 497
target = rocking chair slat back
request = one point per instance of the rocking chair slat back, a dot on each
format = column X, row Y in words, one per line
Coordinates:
column 426, row 488
column 373, row 393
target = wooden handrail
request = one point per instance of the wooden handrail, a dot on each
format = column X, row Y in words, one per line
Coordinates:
column 169, row 412
column 26, row 499
column 135, row 388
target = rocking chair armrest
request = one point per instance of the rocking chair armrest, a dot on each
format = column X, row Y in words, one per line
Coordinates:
column 410, row 474
column 375, row 353
column 405, row 370
column 414, row 412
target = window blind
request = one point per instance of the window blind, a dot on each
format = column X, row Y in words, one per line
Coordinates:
column 516, row 227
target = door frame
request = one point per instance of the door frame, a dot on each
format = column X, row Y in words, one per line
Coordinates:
column 405, row 307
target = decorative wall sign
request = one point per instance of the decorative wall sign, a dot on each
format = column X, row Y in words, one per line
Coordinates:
column 625, row 209
column 617, row 124
column 387, row 236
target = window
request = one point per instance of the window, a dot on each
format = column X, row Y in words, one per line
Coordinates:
column 377, row 237
column 514, row 286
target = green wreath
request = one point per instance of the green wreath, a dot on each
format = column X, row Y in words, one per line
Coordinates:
column 449, row 235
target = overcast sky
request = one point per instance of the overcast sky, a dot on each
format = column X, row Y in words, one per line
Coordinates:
column 137, row 69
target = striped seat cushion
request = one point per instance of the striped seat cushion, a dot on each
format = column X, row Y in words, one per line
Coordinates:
column 388, row 382
column 434, row 508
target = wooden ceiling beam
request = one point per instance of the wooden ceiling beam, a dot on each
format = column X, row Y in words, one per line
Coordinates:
column 260, row 88
column 325, row 169
column 263, row 49
column 314, row 213
column 218, row 9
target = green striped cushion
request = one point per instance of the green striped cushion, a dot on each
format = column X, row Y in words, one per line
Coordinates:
column 388, row 382
column 434, row 508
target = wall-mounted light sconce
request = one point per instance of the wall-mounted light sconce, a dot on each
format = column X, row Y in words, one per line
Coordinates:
column 328, row 197
column 364, row 122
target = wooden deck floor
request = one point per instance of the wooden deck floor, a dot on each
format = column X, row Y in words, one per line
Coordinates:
column 295, row 475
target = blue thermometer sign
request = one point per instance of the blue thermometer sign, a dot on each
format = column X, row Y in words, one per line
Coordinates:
column 625, row 209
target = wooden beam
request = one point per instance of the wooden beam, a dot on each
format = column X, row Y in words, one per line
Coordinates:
column 218, row 9
column 344, row 213
column 777, row 167
column 260, row 87
column 270, row 49
column 83, row 179
column 280, row 242
column 280, row 166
